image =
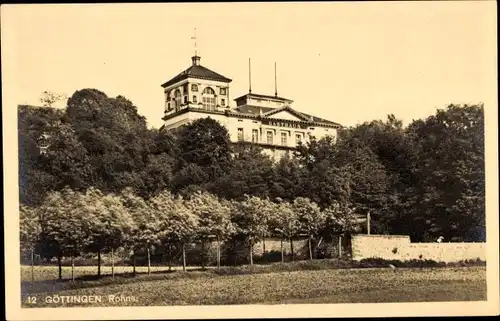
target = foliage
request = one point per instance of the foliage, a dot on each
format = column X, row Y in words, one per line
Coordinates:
column 30, row 227
column 251, row 217
column 284, row 221
column 425, row 180
column 48, row 98
column 309, row 215
column 213, row 216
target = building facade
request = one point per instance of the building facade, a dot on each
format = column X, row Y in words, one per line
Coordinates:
column 268, row 121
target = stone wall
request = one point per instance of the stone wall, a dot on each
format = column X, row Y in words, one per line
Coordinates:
column 399, row 247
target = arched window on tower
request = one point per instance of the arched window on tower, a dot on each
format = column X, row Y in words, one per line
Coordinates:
column 177, row 99
column 208, row 99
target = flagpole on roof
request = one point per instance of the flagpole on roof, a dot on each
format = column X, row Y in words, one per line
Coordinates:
column 249, row 77
column 275, row 81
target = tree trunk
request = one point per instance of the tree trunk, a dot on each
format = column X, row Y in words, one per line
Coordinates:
column 99, row 263
column 149, row 262
column 203, row 254
column 291, row 249
column 59, row 263
column 72, row 268
column 310, row 248
column 263, row 245
column 112, row 263
column 235, row 252
column 282, row 254
column 218, row 253
column 170, row 257
column 32, row 265
column 184, row 257
column 340, row 246
column 251, row 252
column 133, row 262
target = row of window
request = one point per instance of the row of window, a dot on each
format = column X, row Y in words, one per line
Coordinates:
column 194, row 88
column 208, row 90
column 208, row 102
column 269, row 137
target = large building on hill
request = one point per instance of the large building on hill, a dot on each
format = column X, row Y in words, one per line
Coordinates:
column 265, row 120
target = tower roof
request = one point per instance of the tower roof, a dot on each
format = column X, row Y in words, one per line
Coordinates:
column 197, row 71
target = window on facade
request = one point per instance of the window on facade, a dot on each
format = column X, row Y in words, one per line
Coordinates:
column 208, row 103
column 240, row 134
column 185, row 99
column 209, row 91
column 255, row 135
column 298, row 138
column 177, row 99
column 194, row 99
column 168, row 106
column 208, row 99
column 194, row 87
column 185, row 88
column 223, row 102
column 283, row 139
column 223, row 91
column 269, row 137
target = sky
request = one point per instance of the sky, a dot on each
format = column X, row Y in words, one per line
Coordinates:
column 347, row 62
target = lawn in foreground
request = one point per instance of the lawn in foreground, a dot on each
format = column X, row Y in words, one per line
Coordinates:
column 323, row 286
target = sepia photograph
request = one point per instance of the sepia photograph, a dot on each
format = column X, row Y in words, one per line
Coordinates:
column 228, row 160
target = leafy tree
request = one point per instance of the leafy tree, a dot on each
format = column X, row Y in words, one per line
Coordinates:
column 250, row 173
column 202, row 144
column 284, row 223
column 214, row 219
column 190, row 178
column 145, row 228
column 66, row 160
column 449, row 197
column 251, row 218
column 111, row 223
column 325, row 177
column 157, row 174
column 178, row 225
column 310, row 219
column 338, row 219
column 115, row 136
column 397, row 155
column 33, row 124
column 205, row 142
column 65, row 226
column 30, row 230
column 289, row 179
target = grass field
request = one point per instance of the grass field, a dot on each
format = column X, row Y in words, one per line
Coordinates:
column 305, row 286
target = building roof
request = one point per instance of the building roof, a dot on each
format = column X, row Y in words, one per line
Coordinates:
column 256, row 110
column 264, row 97
column 320, row 120
column 197, row 71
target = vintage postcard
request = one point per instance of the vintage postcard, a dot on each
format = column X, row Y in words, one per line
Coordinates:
column 242, row 160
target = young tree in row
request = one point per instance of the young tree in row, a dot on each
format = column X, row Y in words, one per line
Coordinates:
column 30, row 230
column 310, row 218
column 251, row 218
column 145, row 228
column 66, row 225
column 177, row 224
column 284, row 223
column 214, row 220
column 110, row 223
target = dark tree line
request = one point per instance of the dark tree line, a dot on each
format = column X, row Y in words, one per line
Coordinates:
column 424, row 180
